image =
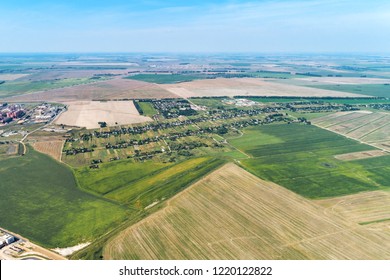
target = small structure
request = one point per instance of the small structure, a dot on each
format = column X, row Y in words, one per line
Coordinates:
column 7, row 239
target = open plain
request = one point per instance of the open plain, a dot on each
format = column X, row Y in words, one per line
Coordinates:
column 247, row 87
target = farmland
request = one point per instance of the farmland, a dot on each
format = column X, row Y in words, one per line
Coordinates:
column 147, row 109
column 248, row 87
column 135, row 162
column 22, row 87
column 231, row 214
column 111, row 176
column 363, row 208
column 101, row 90
column 367, row 127
column 379, row 90
column 46, row 205
column 89, row 113
column 165, row 78
column 301, row 158
column 164, row 184
column 51, row 148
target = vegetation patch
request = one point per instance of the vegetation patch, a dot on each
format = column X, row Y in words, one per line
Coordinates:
column 164, row 184
column 301, row 158
column 381, row 90
column 44, row 204
column 115, row 175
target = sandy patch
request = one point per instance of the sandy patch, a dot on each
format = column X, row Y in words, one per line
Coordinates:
column 89, row 113
column 70, row 250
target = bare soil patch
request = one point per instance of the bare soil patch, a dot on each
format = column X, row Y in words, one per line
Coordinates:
column 89, row 113
column 231, row 214
column 361, row 155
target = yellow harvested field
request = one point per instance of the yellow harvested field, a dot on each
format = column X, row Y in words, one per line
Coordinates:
column 51, row 148
column 247, row 87
column 89, row 113
column 105, row 90
column 361, row 155
column 231, row 214
column 366, row 127
column 363, row 207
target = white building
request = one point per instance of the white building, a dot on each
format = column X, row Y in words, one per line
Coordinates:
column 7, row 238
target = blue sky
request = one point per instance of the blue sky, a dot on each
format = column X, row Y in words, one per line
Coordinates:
column 195, row 26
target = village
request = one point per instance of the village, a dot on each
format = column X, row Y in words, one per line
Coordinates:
column 174, row 138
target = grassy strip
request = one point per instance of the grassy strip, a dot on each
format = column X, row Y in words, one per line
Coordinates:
column 374, row 222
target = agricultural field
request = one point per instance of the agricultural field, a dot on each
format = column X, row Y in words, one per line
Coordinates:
column 147, row 109
column 115, row 175
column 103, row 90
column 46, row 206
column 88, row 114
column 363, row 208
column 16, row 88
column 379, row 90
column 165, row 78
column 301, row 158
column 248, row 87
column 231, row 214
column 361, row 155
column 157, row 187
column 51, row 148
column 366, row 127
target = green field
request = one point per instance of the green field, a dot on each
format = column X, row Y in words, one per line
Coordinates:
column 147, row 109
column 41, row 201
column 15, row 88
column 300, row 158
column 165, row 78
column 114, row 175
column 382, row 90
column 164, row 184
